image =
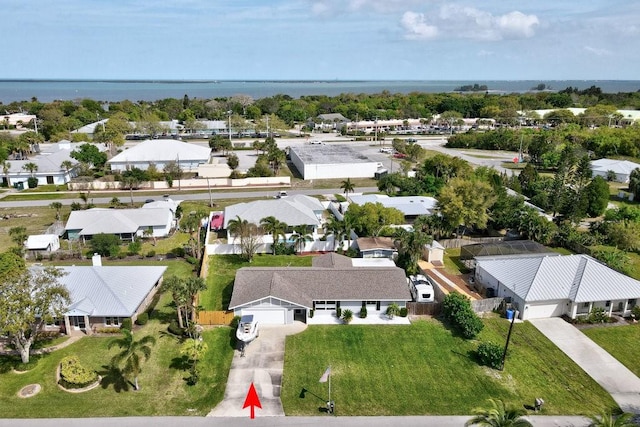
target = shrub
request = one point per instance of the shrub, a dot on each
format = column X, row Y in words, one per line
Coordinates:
column 32, row 182
column 175, row 329
column 598, row 315
column 347, row 316
column 338, row 312
column 404, row 312
column 142, row 319
column 134, row 248
column 151, row 254
column 74, row 375
column 363, row 313
column 636, row 311
column 393, row 310
column 311, row 312
column 108, row 330
column 192, row 260
column 126, row 324
column 282, row 248
column 457, row 310
column 178, row 251
column 490, row 354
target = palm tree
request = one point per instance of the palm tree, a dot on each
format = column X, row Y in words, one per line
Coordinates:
column 276, row 228
column 193, row 286
column 347, row 186
column 5, row 170
column 300, row 237
column 57, row 206
column 176, row 286
column 335, row 228
column 607, row 419
column 30, row 167
column 349, row 225
column 131, row 353
column 67, row 165
column 498, row 416
column 410, row 245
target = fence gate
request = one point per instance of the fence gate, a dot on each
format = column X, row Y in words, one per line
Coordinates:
column 424, row 308
column 215, row 317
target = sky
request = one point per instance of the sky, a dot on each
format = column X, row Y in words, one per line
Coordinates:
column 320, row 39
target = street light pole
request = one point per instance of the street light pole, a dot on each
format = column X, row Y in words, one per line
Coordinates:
column 229, row 126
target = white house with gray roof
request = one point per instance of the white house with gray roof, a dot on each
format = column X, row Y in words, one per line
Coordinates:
column 281, row 295
column 410, row 206
column 159, row 152
column 102, row 296
column 293, row 210
column 542, row 286
column 128, row 224
column 621, row 168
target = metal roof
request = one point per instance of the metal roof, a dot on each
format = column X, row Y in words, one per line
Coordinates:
column 622, row 167
column 41, row 241
column 163, row 150
column 408, row 205
column 109, row 291
column 292, row 210
column 578, row 278
column 117, row 221
column 329, row 154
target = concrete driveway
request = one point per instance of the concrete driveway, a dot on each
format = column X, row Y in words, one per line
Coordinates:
column 622, row 384
column 262, row 364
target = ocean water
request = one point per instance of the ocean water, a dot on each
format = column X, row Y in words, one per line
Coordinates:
column 118, row 90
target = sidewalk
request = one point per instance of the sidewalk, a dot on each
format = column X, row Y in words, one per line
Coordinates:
column 622, row 384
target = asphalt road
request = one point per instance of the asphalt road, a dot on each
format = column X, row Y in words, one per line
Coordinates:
column 319, row 421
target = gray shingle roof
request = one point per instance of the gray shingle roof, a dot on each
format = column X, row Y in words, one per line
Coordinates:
column 109, row 291
column 292, row 210
column 578, row 278
column 331, row 260
column 303, row 285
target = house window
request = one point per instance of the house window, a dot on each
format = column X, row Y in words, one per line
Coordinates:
column 585, row 305
column 607, row 304
column 631, row 303
column 49, row 179
column 325, row 305
column 112, row 321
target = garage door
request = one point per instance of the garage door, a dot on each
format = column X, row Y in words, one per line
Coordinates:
column 543, row 311
column 267, row 316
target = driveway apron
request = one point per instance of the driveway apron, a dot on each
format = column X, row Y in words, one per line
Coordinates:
column 622, row 384
column 261, row 365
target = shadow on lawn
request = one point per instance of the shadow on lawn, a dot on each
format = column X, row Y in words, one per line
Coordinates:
column 112, row 376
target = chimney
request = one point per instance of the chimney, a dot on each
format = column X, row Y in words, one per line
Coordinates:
column 96, row 260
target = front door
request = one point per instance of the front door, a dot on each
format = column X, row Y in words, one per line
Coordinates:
column 78, row 322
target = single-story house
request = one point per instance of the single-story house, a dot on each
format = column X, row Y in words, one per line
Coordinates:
column 277, row 295
column 42, row 243
column 541, row 286
column 410, row 206
column 102, row 296
column 128, row 224
column 48, row 162
column 293, row 210
column 377, row 247
column 17, row 119
column 621, row 168
column 160, row 152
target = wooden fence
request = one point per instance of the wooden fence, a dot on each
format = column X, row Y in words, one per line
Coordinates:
column 215, row 317
column 424, row 308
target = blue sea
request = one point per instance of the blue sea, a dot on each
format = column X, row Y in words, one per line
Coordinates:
column 143, row 90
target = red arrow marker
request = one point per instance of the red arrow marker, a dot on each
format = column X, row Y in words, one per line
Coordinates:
column 252, row 400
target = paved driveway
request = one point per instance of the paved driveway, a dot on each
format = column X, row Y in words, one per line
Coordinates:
column 262, row 364
column 613, row 376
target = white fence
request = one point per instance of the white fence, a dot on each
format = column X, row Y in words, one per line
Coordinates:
column 187, row 183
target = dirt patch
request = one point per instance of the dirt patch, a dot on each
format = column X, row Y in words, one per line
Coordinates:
column 29, row 390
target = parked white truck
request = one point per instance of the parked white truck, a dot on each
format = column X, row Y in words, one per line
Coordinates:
column 421, row 288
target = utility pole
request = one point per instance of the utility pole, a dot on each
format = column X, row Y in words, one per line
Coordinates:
column 229, row 128
column 506, row 345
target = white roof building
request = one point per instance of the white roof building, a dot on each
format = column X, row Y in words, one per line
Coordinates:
column 160, row 152
column 410, row 206
column 332, row 161
column 622, row 168
column 551, row 286
column 43, row 242
column 293, row 210
column 126, row 223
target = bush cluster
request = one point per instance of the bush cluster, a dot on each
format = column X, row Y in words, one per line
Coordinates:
column 126, row 324
column 175, row 329
column 347, row 316
column 363, row 313
column 108, row 330
column 457, row 310
column 490, row 354
column 404, row 312
column 142, row 319
column 74, row 375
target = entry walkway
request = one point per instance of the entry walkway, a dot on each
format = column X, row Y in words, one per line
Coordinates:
column 622, row 384
column 261, row 365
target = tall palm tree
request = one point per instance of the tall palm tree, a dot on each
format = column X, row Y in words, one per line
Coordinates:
column 300, row 237
column 607, row 419
column 335, row 228
column 67, row 165
column 349, row 224
column 5, row 170
column 498, row 416
column 276, row 228
column 30, row 167
column 131, row 354
column 176, row 286
column 193, row 286
column 347, row 186
column 410, row 245
column 57, row 206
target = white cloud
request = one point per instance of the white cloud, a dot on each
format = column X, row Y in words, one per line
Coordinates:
column 416, row 28
column 464, row 22
column 597, row 51
column 336, row 7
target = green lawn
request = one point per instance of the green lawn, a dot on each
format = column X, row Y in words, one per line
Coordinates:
column 222, row 272
column 163, row 388
column 424, row 369
column 620, row 342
